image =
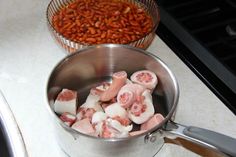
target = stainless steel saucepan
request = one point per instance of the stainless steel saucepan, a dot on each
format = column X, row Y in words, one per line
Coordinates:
column 90, row 66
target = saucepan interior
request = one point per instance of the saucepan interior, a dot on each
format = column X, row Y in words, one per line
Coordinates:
column 89, row 67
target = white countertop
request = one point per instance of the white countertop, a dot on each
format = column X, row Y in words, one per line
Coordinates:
column 28, row 53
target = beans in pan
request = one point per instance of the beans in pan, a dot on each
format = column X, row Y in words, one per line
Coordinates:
column 102, row 21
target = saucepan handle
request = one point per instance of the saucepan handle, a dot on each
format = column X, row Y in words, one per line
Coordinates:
column 204, row 137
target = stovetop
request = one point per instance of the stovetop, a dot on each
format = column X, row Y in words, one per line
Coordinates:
column 203, row 34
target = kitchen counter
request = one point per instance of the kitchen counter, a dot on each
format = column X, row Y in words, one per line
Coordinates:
column 28, row 55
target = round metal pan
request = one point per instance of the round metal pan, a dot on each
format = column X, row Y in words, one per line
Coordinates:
column 89, row 67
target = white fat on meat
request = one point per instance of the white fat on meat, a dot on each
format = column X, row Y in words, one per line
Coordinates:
column 62, row 106
column 92, row 101
column 98, row 117
column 97, row 120
column 149, row 111
column 121, row 131
column 79, row 115
column 114, row 110
column 68, row 118
column 66, row 101
column 118, row 126
column 99, row 128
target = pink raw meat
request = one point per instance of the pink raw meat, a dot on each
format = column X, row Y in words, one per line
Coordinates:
column 108, row 132
column 100, row 89
column 152, row 122
column 68, row 118
column 85, row 113
column 118, row 80
column 133, row 133
column 123, row 121
column 146, row 78
column 125, row 98
column 143, row 109
column 137, row 108
column 106, row 104
column 84, row 126
column 113, row 128
column 66, row 95
column 129, row 93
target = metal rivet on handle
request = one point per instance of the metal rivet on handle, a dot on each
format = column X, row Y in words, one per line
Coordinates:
column 152, row 137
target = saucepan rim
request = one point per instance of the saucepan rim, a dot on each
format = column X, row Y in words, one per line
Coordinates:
column 145, row 52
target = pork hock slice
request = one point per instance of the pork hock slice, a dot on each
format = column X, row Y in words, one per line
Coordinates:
column 114, row 129
column 129, row 93
column 68, row 118
column 143, row 110
column 152, row 122
column 118, row 80
column 85, row 113
column 84, row 126
column 118, row 126
column 114, row 110
column 98, row 117
column 92, row 101
column 146, row 78
column 66, row 101
column 133, row 133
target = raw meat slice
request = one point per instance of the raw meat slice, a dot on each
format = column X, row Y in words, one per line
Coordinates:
column 113, row 129
column 99, row 128
column 138, row 108
column 92, row 101
column 68, row 118
column 152, row 122
column 146, row 78
column 118, row 126
column 125, row 98
column 103, row 87
column 129, row 93
column 100, row 89
column 118, row 80
column 85, row 113
column 66, row 101
column 114, row 110
column 84, row 126
column 107, row 132
column 105, row 104
column 123, row 121
column 133, row 133
column 98, row 117
column 149, row 109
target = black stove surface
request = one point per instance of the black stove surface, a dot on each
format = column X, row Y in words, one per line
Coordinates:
column 203, row 34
